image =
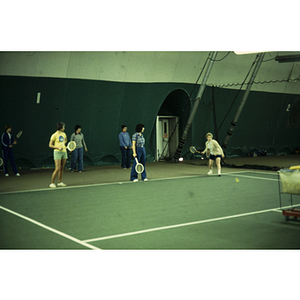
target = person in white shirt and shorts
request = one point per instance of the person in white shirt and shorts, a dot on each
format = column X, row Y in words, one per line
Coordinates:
column 214, row 152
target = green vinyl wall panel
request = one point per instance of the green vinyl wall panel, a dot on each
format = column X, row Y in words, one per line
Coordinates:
column 101, row 107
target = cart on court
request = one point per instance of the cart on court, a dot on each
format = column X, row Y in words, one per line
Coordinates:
column 289, row 183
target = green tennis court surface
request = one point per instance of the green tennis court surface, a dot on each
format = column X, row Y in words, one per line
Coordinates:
column 197, row 212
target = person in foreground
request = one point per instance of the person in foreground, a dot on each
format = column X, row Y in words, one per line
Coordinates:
column 57, row 142
column 78, row 138
column 125, row 146
column 7, row 142
column 138, row 149
column 214, row 152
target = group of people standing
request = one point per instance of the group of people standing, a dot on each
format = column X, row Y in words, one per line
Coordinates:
column 58, row 141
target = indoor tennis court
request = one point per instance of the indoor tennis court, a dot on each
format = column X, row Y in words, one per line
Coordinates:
column 239, row 210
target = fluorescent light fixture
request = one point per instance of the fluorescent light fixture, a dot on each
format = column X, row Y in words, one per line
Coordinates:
column 247, row 52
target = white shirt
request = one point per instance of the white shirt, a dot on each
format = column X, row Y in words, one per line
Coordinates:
column 210, row 148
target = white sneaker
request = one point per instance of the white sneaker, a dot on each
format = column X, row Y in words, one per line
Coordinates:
column 135, row 180
column 18, row 174
column 146, row 179
column 52, row 185
column 6, row 175
column 61, row 184
column 210, row 172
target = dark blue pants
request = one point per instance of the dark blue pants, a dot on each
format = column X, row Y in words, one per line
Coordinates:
column 126, row 157
column 141, row 156
column 8, row 154
column 77, row 154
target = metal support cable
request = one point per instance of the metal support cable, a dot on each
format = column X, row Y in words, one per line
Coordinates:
column 212, row 56
column 241, row 106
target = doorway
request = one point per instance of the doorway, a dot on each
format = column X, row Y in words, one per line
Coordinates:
column 166, row 137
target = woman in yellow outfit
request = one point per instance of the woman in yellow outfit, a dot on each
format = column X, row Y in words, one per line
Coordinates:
column 58, row 142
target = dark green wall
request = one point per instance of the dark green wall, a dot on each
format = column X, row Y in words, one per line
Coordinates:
column 101, row 107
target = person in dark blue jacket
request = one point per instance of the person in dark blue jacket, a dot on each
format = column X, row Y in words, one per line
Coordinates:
column 125, row 146
column 7, row 142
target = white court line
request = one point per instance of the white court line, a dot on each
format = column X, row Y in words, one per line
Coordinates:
column 131, row 182
column 99, row 184
column 249, row 171
column 185, row 224
column 266, row 172
column 278, row 210
column 51, row 229
column 252, row 177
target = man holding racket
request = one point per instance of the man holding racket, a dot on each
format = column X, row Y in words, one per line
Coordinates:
column 214, row 152
column 139, row 152
column 7, row 142
column 58, row 142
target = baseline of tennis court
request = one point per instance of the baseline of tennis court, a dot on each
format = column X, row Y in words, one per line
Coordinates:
column 196, row 212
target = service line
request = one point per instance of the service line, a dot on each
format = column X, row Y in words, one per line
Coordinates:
column 186, row 224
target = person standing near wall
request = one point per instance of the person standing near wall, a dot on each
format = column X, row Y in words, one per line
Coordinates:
column 78, row 138
column 214, row 151
column 7, row 142
column 125, row 146
column 58, row 142
column 138, row 148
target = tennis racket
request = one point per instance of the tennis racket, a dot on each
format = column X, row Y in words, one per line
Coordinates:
column 19, row 134
column 139, row 168
column 71, row 146
column 194, row 150
column 1, row 161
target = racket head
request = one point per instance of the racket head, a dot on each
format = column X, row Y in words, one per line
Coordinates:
column 193, row 149
column 1, row 161
column 139, row 168
column 19, row 134
column 71, row 146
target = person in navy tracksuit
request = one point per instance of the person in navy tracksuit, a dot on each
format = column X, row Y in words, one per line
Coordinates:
column 7, row 142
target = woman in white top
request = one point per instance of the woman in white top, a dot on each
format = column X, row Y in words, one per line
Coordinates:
column 214, row 152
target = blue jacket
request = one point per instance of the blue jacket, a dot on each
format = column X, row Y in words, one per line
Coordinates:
column 125, row 140
column 6, row 141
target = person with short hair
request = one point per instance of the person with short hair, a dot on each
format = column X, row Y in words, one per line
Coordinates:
column 138, row 148
column 7, row 142
column 125, row 146
column 214, row 152
column 78, row 138
column 58, row 142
